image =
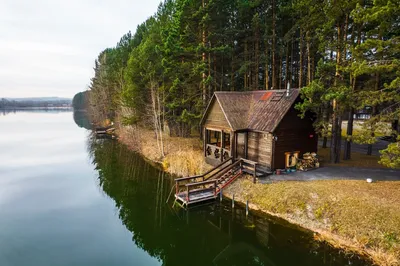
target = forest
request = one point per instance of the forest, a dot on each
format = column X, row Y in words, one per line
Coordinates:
column 343, row 54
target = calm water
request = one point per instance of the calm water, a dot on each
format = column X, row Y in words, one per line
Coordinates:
column 68, row 199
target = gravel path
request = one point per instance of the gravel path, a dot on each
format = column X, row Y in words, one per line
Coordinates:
column 338, row 173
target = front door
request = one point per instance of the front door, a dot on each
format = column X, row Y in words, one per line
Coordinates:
column 240, row 151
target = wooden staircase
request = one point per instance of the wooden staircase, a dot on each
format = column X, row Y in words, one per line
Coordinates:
column 201, row 188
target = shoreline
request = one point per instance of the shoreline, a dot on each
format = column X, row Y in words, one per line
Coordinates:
column 173, row 163
column 319, row 235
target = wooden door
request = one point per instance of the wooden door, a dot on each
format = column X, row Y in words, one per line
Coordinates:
column 241, row 146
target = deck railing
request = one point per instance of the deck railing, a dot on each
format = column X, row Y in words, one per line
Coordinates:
column 207, row 186
column 251, row 167
column 181, row 182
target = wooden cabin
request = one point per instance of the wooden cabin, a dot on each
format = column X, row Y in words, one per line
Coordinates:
column 260, row 126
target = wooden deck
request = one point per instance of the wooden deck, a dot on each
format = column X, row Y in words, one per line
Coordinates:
column 201, row 188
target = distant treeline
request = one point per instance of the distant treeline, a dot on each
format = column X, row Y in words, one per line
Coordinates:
column 34, row 102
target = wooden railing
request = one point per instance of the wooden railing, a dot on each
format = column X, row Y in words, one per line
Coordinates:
column 193, row 187
column 213, row 180
column 182, row 182
column 251, row 166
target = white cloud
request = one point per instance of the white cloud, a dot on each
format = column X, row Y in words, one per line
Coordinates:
column 48, row 48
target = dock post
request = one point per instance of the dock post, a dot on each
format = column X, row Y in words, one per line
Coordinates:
column 247, row 208
column 220, row 195
column 233, row 201
column 255, row 173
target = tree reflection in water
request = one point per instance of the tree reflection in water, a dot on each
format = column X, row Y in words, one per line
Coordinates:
column 208, row 235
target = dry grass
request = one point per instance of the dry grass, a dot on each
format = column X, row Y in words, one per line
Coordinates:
column 357, row 159
column 183, row 156
column 352, row 214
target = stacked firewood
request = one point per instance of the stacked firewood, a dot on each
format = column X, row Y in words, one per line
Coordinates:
column 309, row 161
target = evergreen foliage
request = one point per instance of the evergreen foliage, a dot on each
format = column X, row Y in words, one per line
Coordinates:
column 345, row 53
column 80, row 100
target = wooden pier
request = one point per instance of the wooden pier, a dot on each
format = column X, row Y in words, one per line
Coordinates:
column 202, row 188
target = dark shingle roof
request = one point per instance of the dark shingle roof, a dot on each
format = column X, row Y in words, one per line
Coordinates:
column 256, row 110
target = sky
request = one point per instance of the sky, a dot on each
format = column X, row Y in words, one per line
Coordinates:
column 48, row 47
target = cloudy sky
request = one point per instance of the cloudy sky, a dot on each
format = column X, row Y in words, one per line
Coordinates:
column 48, row 47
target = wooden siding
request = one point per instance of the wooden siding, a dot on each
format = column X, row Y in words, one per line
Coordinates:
column 216, row 118
column 293, row 134
column 260, row 148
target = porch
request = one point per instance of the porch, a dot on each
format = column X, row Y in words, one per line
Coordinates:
column 218, row 145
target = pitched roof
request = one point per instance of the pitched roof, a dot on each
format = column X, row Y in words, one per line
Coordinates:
column 255, row 110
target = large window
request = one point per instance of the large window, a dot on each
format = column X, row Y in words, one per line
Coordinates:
column 215, row 138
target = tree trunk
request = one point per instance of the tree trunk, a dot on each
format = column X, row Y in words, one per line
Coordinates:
column 395, row 126
column 256, row 55
column 308, row 58
column 266, row 59
column 245, row 61
column 266, row 68
column 291, row 80
column 326, row 120
column 215, row 72
column 203, row 56
column 324, row 142
column 353, row 80
column 287, row 66
column 335, row 134
column 222, row 74
column 301, row 60
column 280, row 62
column 231, row 85
column 374, row 112
column 347, row 145
column 209, row 70
column 274, row 84
column 155, row 104
column 336, row 119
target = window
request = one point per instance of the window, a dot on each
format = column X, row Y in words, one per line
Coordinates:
column 214, row 138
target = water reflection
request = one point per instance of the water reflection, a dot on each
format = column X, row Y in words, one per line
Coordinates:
column 81, row 119
column 210, row 235
column 34, row 110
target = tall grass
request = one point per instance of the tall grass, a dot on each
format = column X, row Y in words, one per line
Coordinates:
column 183, row 156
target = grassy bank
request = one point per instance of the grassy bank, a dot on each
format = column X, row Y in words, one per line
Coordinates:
column 183, row 156
column 353, row 215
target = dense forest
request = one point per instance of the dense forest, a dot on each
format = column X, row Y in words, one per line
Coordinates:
column 344, row 54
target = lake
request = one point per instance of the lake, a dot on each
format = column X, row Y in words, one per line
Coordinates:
column 67, row 198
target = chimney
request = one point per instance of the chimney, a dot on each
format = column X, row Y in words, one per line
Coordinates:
column 288, row 90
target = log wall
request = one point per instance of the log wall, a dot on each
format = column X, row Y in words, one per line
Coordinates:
column 260, row 148
column 294, row 134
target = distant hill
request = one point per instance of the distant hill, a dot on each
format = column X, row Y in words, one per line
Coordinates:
column 42, row 102
column 39, row 99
